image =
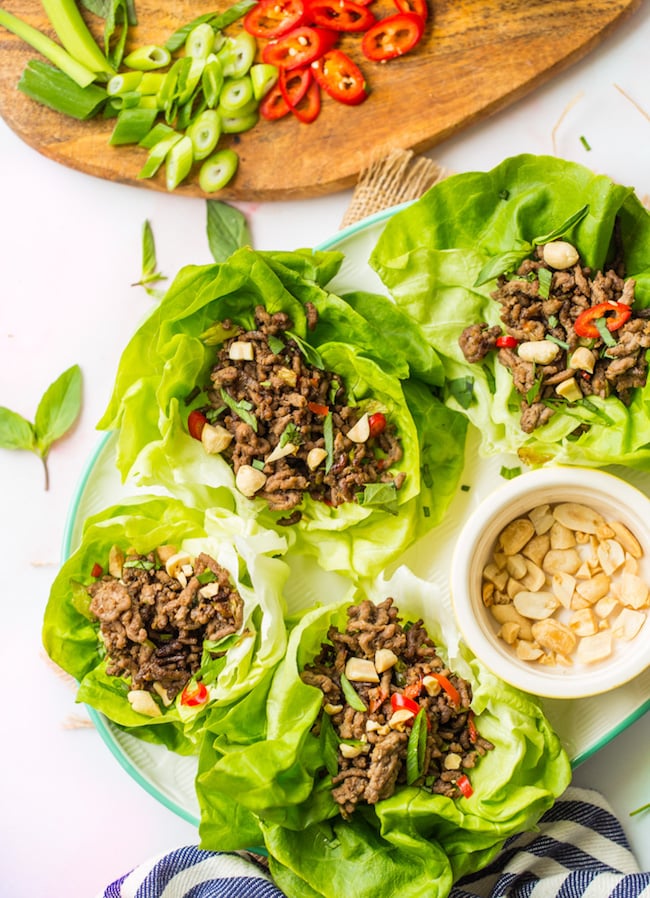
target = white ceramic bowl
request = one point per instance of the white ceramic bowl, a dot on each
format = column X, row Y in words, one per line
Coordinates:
column 616, row 500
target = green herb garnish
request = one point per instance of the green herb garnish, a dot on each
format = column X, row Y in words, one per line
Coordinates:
column 311, row 354
column 380, row 495
column 352, row 697
column 291, row 434
column 275, row 344
column 227, row 230
column 605, row 333
column 329, row 745
column 561, row 343
column 544, row 277
column 242, row 409
column 139, row 564
column 510, row 473
column 206, row 576
column 416, row 748
column 462, row 390
column 328, row 435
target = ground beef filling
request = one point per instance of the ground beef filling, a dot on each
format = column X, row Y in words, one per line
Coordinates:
column 154, row 625
column 453, row 745
column 279, row 398
column 528, row 315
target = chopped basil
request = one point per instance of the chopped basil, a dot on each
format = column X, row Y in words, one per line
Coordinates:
column 258, row 464
column 416, row 748
column 465, row 487
column 140, row 564
column 329, row 745
column 426, row 511
column 555, row 340
column 218, row 333
column 544, row 277
column 352, row 697
column 310, row 353
column 212, row 414
column 291, row 434
column 504, row 194
column 552, row 321
column 240, row 408
column 462, row 390
column 275, row 344
column 380, row 495
column 207, row 576
column 534, row 391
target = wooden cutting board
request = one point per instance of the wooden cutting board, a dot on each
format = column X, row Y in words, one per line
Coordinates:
column 477, row 56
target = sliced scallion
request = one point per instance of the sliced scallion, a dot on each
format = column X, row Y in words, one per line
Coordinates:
column 72, row 31
column 178, row 163
column 236, row 123
column 212, row 81
column 148, row 58
column 237, row 54
column 263, row 76
column 56, row 90
column 157, row 133
column 157, row 155
column 151, row 82
column 132, row 124
column 204, row 132
column 218, row 170
column 200, row 41
column 79, row 73
column 123, row 83
column 236, row 93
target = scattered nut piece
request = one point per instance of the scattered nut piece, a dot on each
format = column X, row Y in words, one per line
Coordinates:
column 215, row 438
column 595, row 648
column 578, row 517
column 515, row 536
column 627, row 539
column 249, row 480
column 628, row 623
column 560, row 255
column 361, row 670
column 143, row 703
column 528, row 651
column 535, row 605
column 384, row 660
column 554, row 636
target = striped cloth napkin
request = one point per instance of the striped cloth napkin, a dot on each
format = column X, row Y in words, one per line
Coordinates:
column 579, row 850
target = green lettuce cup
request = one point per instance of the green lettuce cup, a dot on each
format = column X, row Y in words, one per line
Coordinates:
column 166, row 378
column 266, row 762
column 440, row 258
column 161, row 616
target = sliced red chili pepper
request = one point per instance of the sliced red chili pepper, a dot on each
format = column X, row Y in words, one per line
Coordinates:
column 194, row 694
column 413, row 690
column 297, row 48
column 392, row 36
column 448, row 687
column 340, row 77
column 317, row 408
column 399, row 701
column 97, row 570
column 294, row 84
column 340, row 15
column 419, row 7
column 506, row 341
column 464, row 785
column 471, row 728
column 614, row 313
column 271, row 19
column 308, row 107
column 377, row 700
column 274, row 105
column 377, row 424
column 196, row 421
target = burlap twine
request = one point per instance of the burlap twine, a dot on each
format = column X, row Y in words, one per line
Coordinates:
column 393, row 179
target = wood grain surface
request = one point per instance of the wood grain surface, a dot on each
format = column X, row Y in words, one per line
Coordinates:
column 476, row 57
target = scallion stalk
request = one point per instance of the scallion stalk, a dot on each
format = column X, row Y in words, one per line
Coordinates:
column 204, row 132
column 148, row 58
column 123, row 83
column 80, row 74
column 56, row 90
column 75, row 36
column 157, row 155
column 218, row 170
column 133, row 123
column 179, row 162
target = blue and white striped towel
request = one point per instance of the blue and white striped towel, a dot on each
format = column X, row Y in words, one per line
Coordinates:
column 579, row 850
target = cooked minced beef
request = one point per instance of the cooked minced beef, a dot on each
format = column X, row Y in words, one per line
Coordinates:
column 529, row 316
column 153, row 625
column 453, row 745
column 279, row 398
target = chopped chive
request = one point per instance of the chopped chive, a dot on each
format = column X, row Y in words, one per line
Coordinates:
column 605, row 333
column 56, row 90
column 212, row 82
column 147, row 58
column 352, row 697
column 258, row 463
column 157, row 155
column 178, row 163
column 218, row 170
column 465, row 487
column 584, row 142
column 510, row 473
column 123, row 83
column 200, row 41
column 204, row 132
column 544, row 278
column 157, row 133
column 561, row 343
column 151, row 82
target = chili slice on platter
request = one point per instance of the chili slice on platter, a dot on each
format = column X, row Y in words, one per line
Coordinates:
column 274, row 105
column 340, row 77
column 340, row 15
column 393, row 36
column 614, row 313
column 419, row 7
column 297, row 48
column 308, row 107
column 270, row 19
column 294, row 84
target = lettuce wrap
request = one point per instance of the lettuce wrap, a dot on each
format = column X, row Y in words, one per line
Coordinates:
column 430, row 256
column 262, row 778
column 228, row 669
column 172, row 354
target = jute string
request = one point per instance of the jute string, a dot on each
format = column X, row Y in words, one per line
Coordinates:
column 393, row 179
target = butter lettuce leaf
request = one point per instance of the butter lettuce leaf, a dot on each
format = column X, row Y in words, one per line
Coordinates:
column 261, row 763
column 430, row 254
column 251, row 555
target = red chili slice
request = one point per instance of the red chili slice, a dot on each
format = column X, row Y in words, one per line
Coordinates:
column 196, row 421
column 614, row 313
column 297, row 48
column 308, row 108
column 340, row 15
column 377, row 423
column 471, row 728
column 340, row 77
column 506, row 341
column 194, row 694
column 271, row 19
column 464, row 785
column 399, row 702
column 413, row 690
column 392, row 36
column 294, row 84
column 274, row 105
column 448, row 687
column 97, row 570
column 317, row 408
column 419, row 7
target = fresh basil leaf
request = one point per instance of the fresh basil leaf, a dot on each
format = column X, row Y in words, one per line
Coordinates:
column 227, row 230
column 416, row 748
column 150, row 274
column 206, row 576
column 380, row 495
column 217, row 334
column 58, row 409
column 275, row 344
column 563, row 228
column 240, row 408
column 544, row 277
column 502, row 264
column 329, row 745
column 291, row 434
column 15, row 431
column 312, row 356
column 352, row 697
